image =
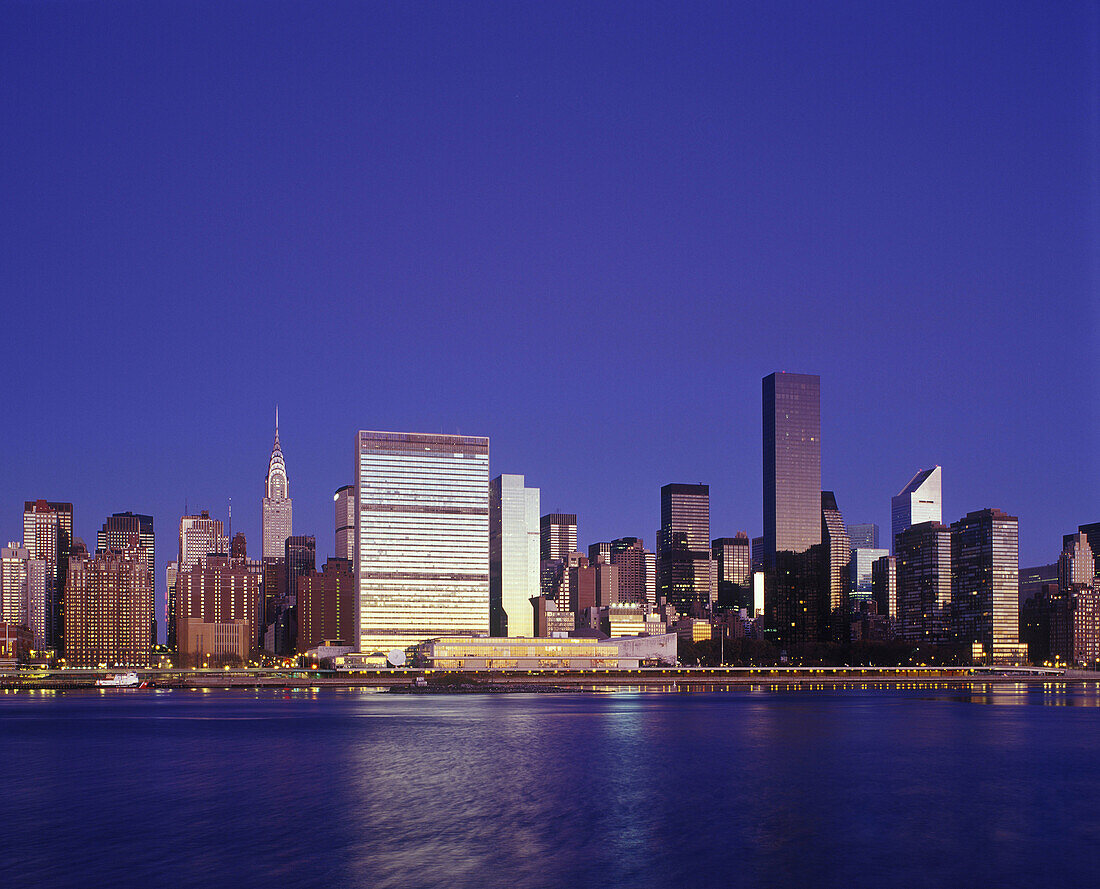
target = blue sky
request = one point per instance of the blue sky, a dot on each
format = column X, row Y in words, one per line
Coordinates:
column 584, row 230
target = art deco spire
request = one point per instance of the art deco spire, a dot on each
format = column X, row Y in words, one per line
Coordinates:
column 278, row 486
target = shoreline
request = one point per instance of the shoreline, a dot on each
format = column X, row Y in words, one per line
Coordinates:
column 436, row 682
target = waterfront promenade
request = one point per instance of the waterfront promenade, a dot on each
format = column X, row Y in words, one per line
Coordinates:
column 651, row 678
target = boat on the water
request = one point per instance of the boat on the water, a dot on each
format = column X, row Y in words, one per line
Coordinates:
column 120, row 680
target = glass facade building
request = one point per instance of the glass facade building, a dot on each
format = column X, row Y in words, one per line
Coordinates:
column 514, row 545
column 985, row 594
column 923, row 556
column 837, row 557
column 344, row 507
column 422, row 537
column 733, row 566
column 864, row 536
column 684, row 569
column 919, row 501
column 792, row 507
column 48, row 536
column 863, row 560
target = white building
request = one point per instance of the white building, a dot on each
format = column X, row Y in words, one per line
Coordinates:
column 513, row 555
column 919, row 501
column 421, row 537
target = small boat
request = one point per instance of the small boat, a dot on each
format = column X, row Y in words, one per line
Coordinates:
column 120, row 680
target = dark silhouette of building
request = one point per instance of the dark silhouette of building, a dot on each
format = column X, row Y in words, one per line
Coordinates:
column 733, row 566
column 923, row 564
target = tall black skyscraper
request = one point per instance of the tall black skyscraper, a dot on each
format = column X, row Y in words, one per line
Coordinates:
column 792, row 505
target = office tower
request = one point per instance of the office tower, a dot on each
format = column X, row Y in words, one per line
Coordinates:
column 985, row 583
column 300, row 558
column 199, row 537
column 344, row 505
column 48, row 535
column 864, row 536
column 238, row 546
column 1077, row 598
column 923, row 565
column 421, row 537
column 557, row 536
column 326, row 605
column 557, row 540
column 684, row 575
column 1092, row 532
column 217, row 605
column 634, row 562
column 122, row 530
column 23, row 592
column 277, row 505
column 837, row 558
column 170, row 572
column 733, row 565
column 884, row 584
column 792, row 506
column 582, row 583
column 758, row 560
column 599, row 553
column 862, row 567
column 919, row 501
column 107, row 609
column 514, row 549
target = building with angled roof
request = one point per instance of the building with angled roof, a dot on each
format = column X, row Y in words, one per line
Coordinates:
column 918, row 502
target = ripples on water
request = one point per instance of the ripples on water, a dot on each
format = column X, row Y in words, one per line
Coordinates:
column 990, row 785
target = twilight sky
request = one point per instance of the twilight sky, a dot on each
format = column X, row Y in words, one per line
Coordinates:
column 585, row 230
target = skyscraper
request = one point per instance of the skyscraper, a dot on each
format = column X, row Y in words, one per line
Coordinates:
column 514, row 547
column 199, row 537
column 422, row 537
column 218, row 604
column 862, row 567
column 792, row 506
column 557, row 541
column 733, row 564
column 919, row 501
column 300, row 558
column 884, row 584
column 635, row 564
column 344, row 505
column 684, row 569
column 864, row 536
column 326, row 606
column 837, row 557
column 48, row 535
column 119, row 532
column 1079, row 595
column 985, row 577
column 923, row 565
column 277, row 505
column 13, row 584
column 107, row 609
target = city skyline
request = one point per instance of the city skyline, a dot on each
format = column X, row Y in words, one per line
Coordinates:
column 428, row 235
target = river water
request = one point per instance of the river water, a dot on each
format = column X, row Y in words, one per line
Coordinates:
column 992, row 785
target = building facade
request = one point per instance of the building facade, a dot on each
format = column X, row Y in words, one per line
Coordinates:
column 277, row 507
column 422, row 537
column 108, row 603
column 344, row 504
column 636, row 566
column 985, row 594
column 733, row 564
column 119, row 532
column 48, row 536
column 684, row 570
column 216, row 590
column 918, row 502
column 837, row 558
column 199, row 537
column 864, row 536
column 326, row 605
column 923, row 559
column 514, row 550
column 792, row 506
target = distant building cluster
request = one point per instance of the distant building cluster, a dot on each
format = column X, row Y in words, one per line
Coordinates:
column 436, row 560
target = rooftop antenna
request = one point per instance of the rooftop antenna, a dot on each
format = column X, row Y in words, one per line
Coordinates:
column 230, row 518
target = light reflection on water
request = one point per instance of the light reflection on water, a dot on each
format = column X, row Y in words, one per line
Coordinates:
column 769, row 785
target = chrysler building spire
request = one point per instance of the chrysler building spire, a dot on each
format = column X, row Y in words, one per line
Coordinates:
column 277, row 505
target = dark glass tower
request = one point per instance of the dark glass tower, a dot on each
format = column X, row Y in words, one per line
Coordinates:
column 792, row 506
